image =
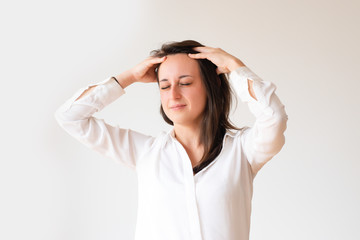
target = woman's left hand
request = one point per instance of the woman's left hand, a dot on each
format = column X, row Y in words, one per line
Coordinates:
column 224, row 61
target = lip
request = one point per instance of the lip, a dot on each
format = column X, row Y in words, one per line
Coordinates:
column 177, row 106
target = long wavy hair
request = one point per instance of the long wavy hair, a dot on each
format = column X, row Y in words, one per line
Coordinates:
column 218, row 104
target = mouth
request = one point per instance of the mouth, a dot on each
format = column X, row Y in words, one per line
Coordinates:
column 177, row 106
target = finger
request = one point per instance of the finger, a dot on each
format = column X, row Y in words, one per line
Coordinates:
column 157, row 59
column 198, row 55
column 203, row 49
column 220, row 70
column 151, row 61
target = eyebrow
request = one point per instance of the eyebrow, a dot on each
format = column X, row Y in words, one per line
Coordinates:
column 182, row 76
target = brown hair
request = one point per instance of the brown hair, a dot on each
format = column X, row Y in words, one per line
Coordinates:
column 218, row 104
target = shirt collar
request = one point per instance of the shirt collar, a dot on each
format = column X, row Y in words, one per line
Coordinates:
column 170, row 135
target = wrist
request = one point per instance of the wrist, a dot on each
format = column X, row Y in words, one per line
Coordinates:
column 125, row 79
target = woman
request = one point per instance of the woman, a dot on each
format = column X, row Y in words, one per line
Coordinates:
column 195, row 181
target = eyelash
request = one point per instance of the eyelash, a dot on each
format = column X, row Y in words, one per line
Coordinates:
column 183, row 84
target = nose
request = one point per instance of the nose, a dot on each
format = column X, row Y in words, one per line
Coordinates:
column 175, row 92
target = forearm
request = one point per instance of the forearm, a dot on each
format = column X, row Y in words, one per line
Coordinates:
column 266, row 137
column 86, row 92
column 251, row 89
column 125, row 79
column 236, row 63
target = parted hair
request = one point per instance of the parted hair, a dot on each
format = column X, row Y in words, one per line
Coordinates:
column 215, row 120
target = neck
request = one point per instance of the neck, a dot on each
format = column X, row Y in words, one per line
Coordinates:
column 188, row 136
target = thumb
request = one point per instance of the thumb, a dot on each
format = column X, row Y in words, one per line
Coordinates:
column 220, row 70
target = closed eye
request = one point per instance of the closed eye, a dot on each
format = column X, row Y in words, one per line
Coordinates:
column 182, row 84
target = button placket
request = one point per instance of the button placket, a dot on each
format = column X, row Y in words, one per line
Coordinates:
column 189, row 180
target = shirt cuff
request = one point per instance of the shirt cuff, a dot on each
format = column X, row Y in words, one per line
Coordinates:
column 238, row 78
column 262, row 90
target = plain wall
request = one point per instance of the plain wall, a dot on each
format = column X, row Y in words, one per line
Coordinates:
column 53, row 187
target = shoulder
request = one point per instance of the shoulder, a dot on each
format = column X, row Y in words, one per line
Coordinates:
column 149, row 141
column 160, row 139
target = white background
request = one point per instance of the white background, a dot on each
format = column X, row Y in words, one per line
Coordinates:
column 52, row 187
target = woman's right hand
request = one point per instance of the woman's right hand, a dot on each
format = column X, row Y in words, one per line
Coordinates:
column 142, row 72
column 145, row 71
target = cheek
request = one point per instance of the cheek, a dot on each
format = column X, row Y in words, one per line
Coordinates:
column 199, row 96
column 163, row 99
column 201, row 101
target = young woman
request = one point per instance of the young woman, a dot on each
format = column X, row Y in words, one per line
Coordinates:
column 195, row 181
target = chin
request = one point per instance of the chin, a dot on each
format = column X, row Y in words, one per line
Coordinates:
column 179, row 120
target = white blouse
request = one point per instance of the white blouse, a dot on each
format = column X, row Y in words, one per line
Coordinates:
column 173, row 203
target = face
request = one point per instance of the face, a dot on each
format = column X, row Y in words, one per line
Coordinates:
column 182, row 92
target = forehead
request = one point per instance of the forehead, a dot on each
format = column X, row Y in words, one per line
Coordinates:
column 179, row 63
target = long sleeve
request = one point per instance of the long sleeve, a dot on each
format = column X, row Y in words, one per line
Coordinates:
column 265, row 138
column 76, row 118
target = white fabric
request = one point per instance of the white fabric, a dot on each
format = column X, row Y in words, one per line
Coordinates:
column 173, row 204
